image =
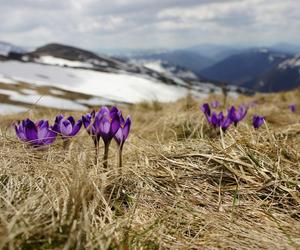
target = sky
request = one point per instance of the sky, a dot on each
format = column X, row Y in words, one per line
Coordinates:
column 149, row 24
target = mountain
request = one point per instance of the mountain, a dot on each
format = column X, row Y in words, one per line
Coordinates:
column 10, row 50
column 215, row 52
column 284, row 76
column 183, row 58
column 244, row 67
column 171, row 70
column 65, row 77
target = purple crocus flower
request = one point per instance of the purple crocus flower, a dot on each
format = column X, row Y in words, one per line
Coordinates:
column 225, row 123
column 216, row 120
column 257, row 121
column 102, row 124
column 122, row 133
column 108, row 123
column 237, row 115
column 66, row 127
column 293, row 107
column 215, row 104
column 206, row 110
column 37, row 134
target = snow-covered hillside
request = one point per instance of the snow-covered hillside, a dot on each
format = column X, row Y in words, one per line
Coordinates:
column 290, row 63
column 118, row 87
column 167, row 69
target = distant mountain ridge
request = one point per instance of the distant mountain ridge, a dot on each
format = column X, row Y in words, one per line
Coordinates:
column 284, row 76
column 244, row 66
column 182, row 58
column 252, row 69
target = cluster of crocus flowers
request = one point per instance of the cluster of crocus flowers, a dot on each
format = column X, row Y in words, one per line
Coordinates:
column 234, row 116
column 237, row 115
column 37, row 134
column 40, row 133
column 216, row 120
column 107, row 124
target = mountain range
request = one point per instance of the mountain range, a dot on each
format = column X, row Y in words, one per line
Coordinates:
column 255, row 68
column 67, row 77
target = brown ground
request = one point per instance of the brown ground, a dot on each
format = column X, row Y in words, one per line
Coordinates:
column 183, row 186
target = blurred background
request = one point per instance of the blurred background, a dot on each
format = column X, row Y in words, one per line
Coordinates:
column 75, row 55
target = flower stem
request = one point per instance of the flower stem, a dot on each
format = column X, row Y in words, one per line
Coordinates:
column 120, row 158
column 66, row 143
column 96, row 141
column 105, row 156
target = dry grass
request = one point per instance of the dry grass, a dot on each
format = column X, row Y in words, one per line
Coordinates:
column 183, row 186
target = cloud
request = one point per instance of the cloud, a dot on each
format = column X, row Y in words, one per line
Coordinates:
column 144, row 24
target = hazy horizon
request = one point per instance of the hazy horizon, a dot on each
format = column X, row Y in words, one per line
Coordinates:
column 141, row 24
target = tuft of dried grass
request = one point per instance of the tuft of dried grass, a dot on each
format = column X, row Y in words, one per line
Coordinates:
column 183, row 186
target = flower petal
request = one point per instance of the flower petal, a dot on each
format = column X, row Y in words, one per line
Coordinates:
column 66, row 127
column 126, row 128
column 115, row 125
column 206, row 109
column 50, row 138
column 76, row 128
column 58, row 118
column 71, row 119
column 86, row 120
column 30, row 130
column 119, row 136
column 20, row 132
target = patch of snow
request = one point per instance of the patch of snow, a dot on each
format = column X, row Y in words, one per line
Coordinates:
column 187, row 75
column 95, row 101
column 167, row 69
column 7, row 92
column 155, row 66
column 48, row 101
column 25, row 58
column 97, row 62
column 292, row 63
column 5, row 79
column 29, row 91
column 51, row 60
column 43, row 100
column 6, row 109
column 118, row 87
column 56, row 92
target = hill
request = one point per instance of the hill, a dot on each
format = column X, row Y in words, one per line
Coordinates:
column 245, row 66
column 184, row 58
column 284, row 76
column 183, row 185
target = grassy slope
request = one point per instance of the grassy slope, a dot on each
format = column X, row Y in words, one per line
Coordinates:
column 182, row 187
